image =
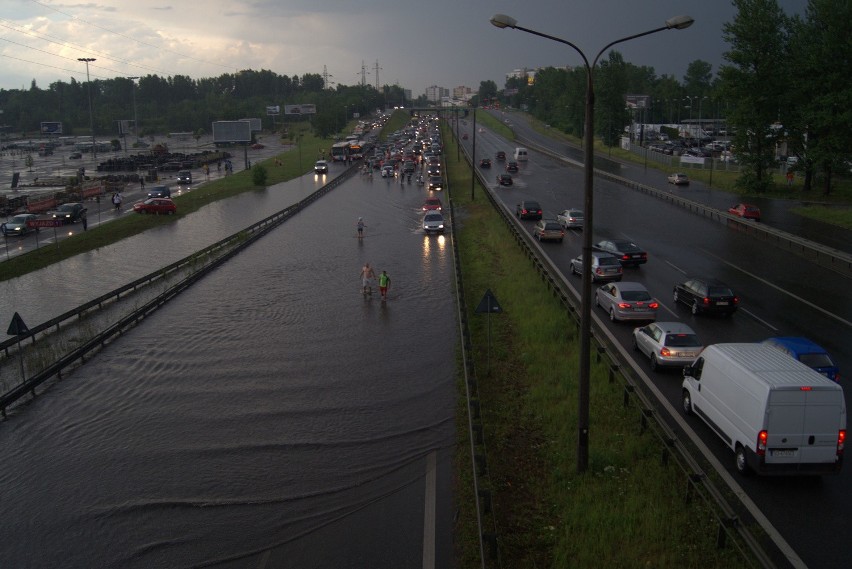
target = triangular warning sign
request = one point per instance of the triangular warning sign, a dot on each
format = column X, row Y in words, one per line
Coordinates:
column 17, row 326
column 489, row 304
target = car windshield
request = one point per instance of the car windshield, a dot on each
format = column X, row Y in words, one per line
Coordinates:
column 532, row 205
column 635, row 295
column 608, row 261
column 19, row 219
column 682, row 341
column 434, row 217
column 552, row 227
column 816, row 360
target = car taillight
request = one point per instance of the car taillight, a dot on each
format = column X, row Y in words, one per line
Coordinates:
column 762, row 436
column 625, row 257
column 623, row 305
column 736, row 300
column 706, row 300
column 524, row 211
column 654, row 305
column 665, row 352
column 841, row 441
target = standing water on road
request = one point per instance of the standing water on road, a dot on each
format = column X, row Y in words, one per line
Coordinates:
column 270, row 402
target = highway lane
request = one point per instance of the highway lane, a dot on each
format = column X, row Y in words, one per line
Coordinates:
column 780, row 295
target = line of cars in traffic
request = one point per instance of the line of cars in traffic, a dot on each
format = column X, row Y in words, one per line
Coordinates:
column 665, row 344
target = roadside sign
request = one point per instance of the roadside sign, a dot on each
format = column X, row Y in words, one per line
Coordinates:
column 17, row 326
column 488, row 304
column 35, row 223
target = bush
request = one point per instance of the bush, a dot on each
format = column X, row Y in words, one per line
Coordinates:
column 258, row 175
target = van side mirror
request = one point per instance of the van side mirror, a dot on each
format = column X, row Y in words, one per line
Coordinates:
column 687, row 371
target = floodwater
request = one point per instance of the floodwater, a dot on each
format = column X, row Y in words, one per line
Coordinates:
column 270, row 416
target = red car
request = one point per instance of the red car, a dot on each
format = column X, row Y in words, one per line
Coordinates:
column 155, row 205
column 746, row 211
column 432, row 204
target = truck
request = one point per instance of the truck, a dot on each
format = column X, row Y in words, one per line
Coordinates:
column 779, row 416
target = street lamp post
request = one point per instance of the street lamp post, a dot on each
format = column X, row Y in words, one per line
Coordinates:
column 135, row 119
column 91, row 114
column 503, row 21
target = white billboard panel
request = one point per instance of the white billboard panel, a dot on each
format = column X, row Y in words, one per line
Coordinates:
column 300, row 109
column 255, row 124
column 231, row 131
column 51, row 127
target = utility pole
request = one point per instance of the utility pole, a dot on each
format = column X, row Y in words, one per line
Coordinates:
column 91, row 114
column 376, row 69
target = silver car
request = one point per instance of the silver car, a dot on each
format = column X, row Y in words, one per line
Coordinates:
column 570, row 219
column 627, row 301
column 433, row 220
column 605, row 267
column 667, row 343
column 18, row 224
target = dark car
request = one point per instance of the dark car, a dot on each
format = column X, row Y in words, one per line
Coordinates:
column 528, row 209
column 160, row 192
column 501, row 156
column 504, row 179
column 184, row 177
column 512, row 167
column 68, row 212
column 706, row 295
column 485, row 163
column 627, row 252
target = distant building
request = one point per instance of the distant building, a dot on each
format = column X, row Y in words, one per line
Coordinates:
column 462, row 93
column 434, row 94
column 531, row 73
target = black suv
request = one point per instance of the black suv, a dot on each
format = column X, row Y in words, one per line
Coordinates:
column 160, row 192
column 706, row 295
column 528, row 209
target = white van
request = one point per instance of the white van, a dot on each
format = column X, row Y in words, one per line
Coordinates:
column 778, row 415
column 521, row 154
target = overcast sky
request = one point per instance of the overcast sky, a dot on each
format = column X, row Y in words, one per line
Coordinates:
column 417, row 43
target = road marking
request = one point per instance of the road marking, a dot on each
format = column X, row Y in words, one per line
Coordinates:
column 779, row 289
column 675, row 267
column 429, row 512
column 759, row 320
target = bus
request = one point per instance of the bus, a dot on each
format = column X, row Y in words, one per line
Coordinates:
column 340, row 151
column 356, row 150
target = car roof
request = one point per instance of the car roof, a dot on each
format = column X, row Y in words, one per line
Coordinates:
column 628, row 285
column 674, row 328
column 797, row 344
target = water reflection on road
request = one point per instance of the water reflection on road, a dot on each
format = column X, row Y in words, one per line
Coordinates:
column 269, row 405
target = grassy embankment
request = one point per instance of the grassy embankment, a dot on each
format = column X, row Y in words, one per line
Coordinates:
column 128, row 225
column 835, row 209
column 629, row 509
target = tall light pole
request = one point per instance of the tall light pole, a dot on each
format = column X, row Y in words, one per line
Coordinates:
column 91, row 114
column 503, row 21
column 135, row 120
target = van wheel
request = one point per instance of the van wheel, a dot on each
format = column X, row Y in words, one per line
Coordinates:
column 686, row 402
column 695, row 307
column 741, row 462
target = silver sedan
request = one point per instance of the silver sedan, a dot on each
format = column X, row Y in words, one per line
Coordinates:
column 570, row 219
column 667, row 343
column 627, row 301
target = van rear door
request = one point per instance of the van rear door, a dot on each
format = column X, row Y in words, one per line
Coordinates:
column 802, row 426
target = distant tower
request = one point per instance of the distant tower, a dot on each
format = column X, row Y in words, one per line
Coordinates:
column 364, row 73
column 325, row 76
column 376, row 69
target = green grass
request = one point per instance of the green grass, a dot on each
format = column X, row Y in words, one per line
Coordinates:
column 628, row 510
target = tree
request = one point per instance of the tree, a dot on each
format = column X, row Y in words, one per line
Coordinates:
column 487, row 90
column 611, row 113
column 752, row 82
column 820, row 106
column 698, row 76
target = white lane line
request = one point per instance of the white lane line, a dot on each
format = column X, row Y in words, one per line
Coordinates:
column 429, row 511
column 675, row 267
column 760, row 320
column 779, row 289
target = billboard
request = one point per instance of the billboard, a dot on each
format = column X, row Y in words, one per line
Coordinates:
column 273, row 110
column 51, row 128
column 231, row 131
column 255, row 124
column 300, row 109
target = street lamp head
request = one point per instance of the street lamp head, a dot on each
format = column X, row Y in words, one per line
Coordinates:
column 503, row 21
column 86, row 59
column 679, row 22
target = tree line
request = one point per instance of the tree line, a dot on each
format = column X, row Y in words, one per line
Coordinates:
column 182, row 104
column 786, row 79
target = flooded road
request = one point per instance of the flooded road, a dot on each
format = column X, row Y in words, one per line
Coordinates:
column 270, row 416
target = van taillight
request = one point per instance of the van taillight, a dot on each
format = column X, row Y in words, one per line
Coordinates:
column 761, row 442
column 841, row 441
column 706, row 300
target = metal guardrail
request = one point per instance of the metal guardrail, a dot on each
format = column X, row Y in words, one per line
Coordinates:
column 834, row 259
column 198, row 264
column 730, row 529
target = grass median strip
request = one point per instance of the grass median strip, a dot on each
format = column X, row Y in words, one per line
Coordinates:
column 629, row 509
